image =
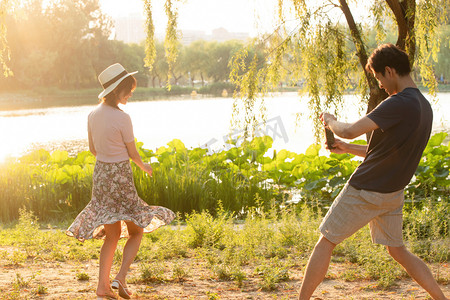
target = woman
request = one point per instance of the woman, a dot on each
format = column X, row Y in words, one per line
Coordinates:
column 115, row 209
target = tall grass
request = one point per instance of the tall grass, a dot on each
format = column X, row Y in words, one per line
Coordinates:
column 51, row 185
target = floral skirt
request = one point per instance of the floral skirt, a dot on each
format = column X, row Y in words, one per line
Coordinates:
column 114, row 198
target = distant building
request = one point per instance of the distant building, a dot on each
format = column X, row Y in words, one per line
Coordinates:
column 189, row 36
column 222, row 35
column 219, row 34
column 131, row 29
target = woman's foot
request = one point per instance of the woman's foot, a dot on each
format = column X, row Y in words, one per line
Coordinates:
column 110, row 295
column 120, row 285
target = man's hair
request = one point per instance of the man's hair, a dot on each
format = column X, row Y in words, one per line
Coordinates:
column 388, row 55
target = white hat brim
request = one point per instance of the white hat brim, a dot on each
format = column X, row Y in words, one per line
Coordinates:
column 110, row 88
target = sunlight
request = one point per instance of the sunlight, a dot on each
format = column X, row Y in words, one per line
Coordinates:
column 3, row 155
column 14, row 143
column 14, row 149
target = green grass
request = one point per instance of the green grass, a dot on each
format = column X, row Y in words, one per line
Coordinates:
column 263, row 245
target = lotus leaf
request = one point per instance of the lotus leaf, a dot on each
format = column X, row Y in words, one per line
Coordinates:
column 59, row 156
column 177, row 145
column 313, row 150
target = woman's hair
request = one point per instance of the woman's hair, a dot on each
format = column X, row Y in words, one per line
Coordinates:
column 127, row 85
column 388, row 55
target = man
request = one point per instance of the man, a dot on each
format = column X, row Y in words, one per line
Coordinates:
column 400, row 128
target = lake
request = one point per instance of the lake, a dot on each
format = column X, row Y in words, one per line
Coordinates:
column 204, row 122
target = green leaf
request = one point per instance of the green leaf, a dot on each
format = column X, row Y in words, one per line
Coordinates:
column 336, row 192
column 232, row 154
column 282, row 155
column 335, row 181
column 177, row 145
column 441, row 173
column 437, row 139
column 422, row 169
column 341, row 156
column 197, row 153
column 313, row 150
column 162, row 150
column 59, row 156
column 312, row 185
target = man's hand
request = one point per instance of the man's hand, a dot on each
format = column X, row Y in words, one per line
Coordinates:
column 340, row 147
column 326, row 118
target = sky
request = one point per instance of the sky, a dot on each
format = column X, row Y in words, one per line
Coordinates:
column 250, row 16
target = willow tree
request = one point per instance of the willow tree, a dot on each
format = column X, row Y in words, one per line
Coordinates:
column 327, row 43
column 4, row 49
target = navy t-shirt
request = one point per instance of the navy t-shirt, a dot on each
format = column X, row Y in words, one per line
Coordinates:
column 395, row 148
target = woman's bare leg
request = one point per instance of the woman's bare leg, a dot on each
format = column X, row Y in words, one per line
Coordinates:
column 106, row 257
column 130, row 250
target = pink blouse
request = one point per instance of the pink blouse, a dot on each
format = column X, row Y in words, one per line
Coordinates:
column 110, row 129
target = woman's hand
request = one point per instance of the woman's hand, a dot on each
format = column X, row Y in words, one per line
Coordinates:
column 148, row 169
column 134, row 155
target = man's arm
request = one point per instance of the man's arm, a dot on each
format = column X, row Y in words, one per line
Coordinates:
column 349, row 130
column 342, row 147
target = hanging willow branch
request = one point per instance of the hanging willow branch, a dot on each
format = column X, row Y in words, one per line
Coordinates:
column 429, row 15
column 244, row 75
column 171, row 40
column 5, row 54
column 325, row 53
column 150, row 50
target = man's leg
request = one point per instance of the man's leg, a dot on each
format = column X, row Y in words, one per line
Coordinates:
column 316, row 268
column 418, row 270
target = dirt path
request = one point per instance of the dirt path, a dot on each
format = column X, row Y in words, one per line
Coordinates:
column 59, row 280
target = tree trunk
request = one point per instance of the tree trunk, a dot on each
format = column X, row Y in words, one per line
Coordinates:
column 376, row 95
column 405, row 15
column 176, row 78
column 159, row 80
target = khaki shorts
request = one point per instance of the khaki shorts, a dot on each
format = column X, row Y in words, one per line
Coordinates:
column 353, row 209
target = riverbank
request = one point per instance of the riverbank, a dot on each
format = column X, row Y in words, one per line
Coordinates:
column 53, row 97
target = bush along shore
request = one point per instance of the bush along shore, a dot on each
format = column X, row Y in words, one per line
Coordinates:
column 56, row 185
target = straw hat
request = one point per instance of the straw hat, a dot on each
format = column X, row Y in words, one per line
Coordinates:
column 111, row 77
